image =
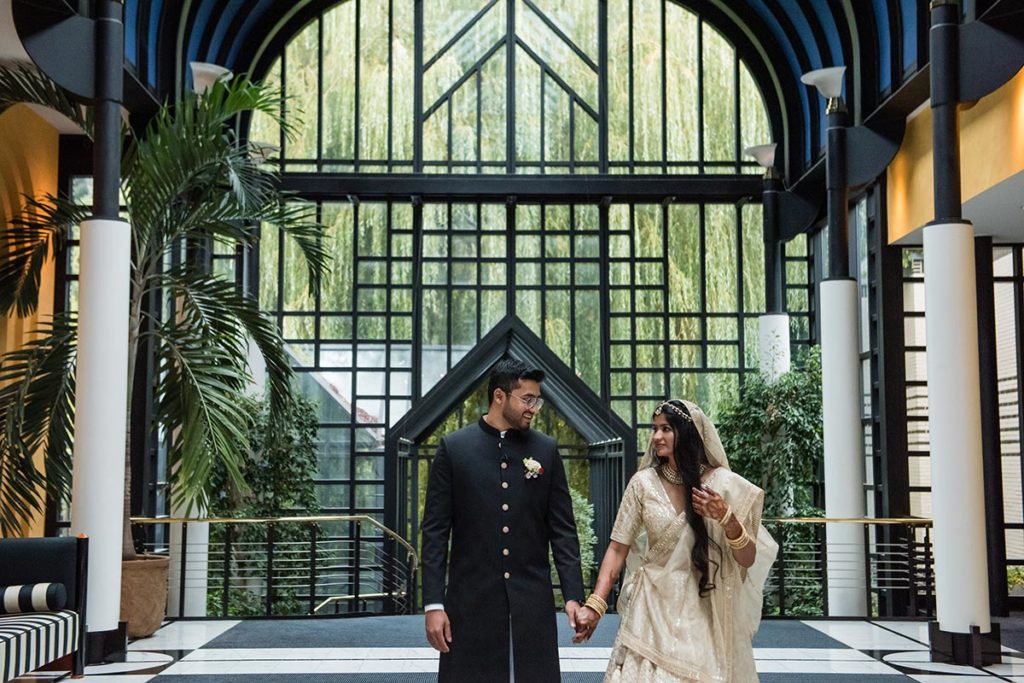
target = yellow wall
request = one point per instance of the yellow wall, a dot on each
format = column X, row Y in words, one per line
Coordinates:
column 991, row 150
column 28, row 166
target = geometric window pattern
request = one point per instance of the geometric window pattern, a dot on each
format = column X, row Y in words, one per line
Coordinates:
column 618, row 289
column 620, row 293
column 515, row 86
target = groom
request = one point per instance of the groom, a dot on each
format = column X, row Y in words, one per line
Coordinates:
column 498, row 489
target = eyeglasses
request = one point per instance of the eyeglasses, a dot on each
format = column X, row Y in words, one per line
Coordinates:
column 533, row 402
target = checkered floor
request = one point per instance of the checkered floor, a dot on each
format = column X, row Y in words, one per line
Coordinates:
column 392, row 649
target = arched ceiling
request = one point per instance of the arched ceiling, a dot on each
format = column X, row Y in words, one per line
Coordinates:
column 881, row 42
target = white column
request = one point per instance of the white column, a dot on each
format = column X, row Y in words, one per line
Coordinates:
column 101, row 411
column 954, row 423
column 257, row 368
column 197, row 547
column 773, row 345
column 844, row 448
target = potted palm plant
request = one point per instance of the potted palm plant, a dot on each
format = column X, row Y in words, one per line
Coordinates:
column 189, row 180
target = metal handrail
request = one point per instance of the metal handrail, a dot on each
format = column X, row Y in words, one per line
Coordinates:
column 910, row 521
column 362, row 596
column 413, row 555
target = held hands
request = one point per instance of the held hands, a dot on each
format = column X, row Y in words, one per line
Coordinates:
column 588, row 616
column 439, row 630
column 708, row 503
column 586, row 622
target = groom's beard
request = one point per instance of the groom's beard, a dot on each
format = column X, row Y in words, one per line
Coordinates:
column 517, row 419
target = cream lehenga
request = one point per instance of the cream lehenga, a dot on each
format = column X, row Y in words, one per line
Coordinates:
column 668, row 632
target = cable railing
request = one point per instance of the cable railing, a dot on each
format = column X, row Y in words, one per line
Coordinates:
column 354, row 565
column 286, row 566
column 890, row 565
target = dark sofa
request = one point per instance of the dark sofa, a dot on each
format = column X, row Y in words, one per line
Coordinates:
column 31, row 640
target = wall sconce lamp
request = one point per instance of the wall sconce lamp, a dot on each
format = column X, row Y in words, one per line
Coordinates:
column 205, row 74
column 779, row 207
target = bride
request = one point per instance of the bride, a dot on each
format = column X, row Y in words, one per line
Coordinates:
column 692, row 604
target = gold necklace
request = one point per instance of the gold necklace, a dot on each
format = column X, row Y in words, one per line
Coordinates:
column 671, row 476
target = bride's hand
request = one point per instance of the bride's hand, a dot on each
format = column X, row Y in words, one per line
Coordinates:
column 586, row 622
column 708, row 503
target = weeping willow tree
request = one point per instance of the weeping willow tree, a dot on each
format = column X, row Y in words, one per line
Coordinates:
column 674, row 90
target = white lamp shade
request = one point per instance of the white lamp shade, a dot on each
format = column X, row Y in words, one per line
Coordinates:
column 204, row 75
column 829, row 81
column 764, row 155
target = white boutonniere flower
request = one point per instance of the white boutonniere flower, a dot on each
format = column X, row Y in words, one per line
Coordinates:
column 533, row 468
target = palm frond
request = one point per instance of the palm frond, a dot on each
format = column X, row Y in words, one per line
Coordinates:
column 297, row 220
column 27, row 243
column 36, row 412
column 189, row 178
column 21, row 83
column 200, row 380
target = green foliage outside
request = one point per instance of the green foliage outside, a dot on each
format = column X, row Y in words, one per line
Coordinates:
column 583, row 511
column 773, row 436
column 465, row 127
column 1015, row 580
column 673, row 273
column 279, row 469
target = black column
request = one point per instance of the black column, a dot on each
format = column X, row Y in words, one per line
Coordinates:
column 944, row 83
column 773, row 262
column 991, row 451
column 109, row 93
column 838, row 194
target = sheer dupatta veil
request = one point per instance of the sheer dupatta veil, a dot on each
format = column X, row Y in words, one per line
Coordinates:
column 737, row 597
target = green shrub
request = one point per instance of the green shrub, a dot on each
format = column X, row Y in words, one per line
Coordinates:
column 773, row 436
column 279, row 469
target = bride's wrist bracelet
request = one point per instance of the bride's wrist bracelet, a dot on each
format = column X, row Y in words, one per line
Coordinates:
column 596, row 603
column 725, row 518
column 740, row 542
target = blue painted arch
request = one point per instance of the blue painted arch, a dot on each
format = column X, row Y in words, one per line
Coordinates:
column 878, row 41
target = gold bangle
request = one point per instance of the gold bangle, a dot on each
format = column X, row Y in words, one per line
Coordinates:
column 726, row 516
column 596, row 603
column 740, row 542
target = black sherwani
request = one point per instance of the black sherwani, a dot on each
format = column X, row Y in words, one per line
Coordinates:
column 500, row 524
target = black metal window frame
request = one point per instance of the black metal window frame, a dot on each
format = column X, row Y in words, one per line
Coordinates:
column 595, row 107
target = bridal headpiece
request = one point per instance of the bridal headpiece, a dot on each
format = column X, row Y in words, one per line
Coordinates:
column 675, row 409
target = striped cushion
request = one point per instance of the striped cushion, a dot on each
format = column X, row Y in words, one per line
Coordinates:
column 33, row 597
column 28, row 641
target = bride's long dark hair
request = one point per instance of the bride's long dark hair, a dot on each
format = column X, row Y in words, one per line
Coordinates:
column 688, row 452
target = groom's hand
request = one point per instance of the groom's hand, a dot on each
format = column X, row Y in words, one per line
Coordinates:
column 571, row 609
column 439, row 629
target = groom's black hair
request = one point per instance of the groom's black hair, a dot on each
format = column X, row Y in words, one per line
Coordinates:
column 506, row 376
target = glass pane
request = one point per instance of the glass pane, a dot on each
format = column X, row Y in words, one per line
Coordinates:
column 684, row 279
column 720, row 240
column 302, row 93
column 338, row 69
column 754, row 126
column 682, row 67
column 1002, row 261
column 719, row 72
column 374, row 47
column 647, row 82
column 336, row 285
column 753, row 259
